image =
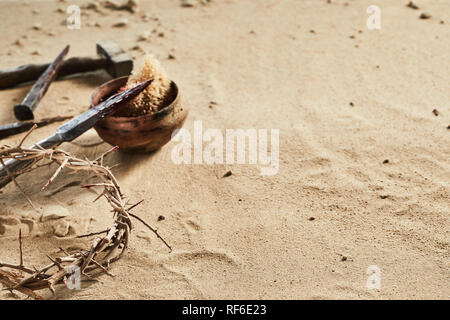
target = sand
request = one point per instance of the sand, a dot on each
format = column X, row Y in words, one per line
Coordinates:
column 344, row 98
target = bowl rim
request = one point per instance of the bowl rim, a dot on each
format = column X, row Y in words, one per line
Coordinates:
column 124, row 119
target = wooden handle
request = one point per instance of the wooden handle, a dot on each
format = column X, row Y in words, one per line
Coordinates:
column 14, row 167
column 30, row 72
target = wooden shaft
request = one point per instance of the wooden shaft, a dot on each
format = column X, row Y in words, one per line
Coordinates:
column 30, row 72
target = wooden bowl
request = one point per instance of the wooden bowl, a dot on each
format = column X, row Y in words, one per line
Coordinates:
column 144, row 133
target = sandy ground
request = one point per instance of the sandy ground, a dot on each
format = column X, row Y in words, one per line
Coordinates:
column 345, row 99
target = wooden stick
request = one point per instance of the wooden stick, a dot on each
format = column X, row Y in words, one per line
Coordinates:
column 4, row 278
column 7, row 130
column 16, row 267
column 55, row 174
column 20, row 248
column 152, row 229
column 15, row 182
column 27, row 134
column 103, row 251
column 92, row 234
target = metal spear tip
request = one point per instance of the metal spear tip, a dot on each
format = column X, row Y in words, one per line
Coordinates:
column 117, row 100
column 130, row 94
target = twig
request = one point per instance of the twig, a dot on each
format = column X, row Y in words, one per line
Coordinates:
column 135, row 205
column 55, row 174
column 55, row 262
column 27, row 134
column 104, row 250
column 92, row 234
column 101, row 267
column 152, row 229
column 12, row 266
column 4, row 278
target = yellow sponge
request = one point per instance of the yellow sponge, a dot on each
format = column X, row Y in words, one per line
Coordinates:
column 153, row 97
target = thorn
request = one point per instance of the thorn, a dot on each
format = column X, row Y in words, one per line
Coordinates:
column 46, row 185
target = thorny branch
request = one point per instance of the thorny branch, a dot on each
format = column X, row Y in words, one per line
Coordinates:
column 103, row 251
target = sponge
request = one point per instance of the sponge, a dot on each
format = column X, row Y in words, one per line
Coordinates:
column 154, row 96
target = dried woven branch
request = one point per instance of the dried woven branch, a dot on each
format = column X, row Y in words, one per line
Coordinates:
column 104, row 250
